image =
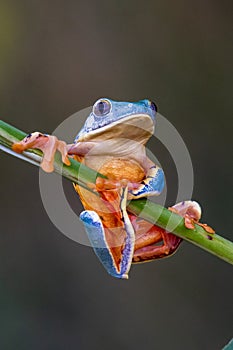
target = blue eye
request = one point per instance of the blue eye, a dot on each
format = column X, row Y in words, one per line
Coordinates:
column 101, row 108
column 153, row 107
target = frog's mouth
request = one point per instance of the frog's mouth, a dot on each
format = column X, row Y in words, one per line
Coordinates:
column 138, row 127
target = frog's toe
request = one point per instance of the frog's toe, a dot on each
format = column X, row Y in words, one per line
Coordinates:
column 96, row 234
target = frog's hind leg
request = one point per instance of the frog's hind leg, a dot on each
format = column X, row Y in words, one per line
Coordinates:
column 113, row 246
column 156, row 242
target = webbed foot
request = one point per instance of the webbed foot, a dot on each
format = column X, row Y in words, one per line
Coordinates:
column 191, row 212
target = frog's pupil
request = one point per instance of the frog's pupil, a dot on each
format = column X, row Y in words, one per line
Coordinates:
column 101, row 107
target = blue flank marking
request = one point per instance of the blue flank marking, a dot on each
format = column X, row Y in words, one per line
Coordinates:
column 126, row 254
column 96, row 235
column 154, row 185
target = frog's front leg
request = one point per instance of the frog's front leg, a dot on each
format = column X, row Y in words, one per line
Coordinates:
column 152, row 185
column 49, row 144
column 113, row 246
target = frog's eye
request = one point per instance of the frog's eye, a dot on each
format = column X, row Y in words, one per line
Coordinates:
column 153, row 107
column 102, row 107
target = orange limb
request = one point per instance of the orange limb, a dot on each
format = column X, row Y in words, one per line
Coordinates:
column 47, row 144
column 152, row 242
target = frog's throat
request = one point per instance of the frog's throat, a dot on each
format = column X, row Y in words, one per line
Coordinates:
column 138, row 127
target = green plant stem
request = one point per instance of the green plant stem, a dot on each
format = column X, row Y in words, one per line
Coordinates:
column 82, row 175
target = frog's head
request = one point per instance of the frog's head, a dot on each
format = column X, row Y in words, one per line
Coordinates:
column 111, row 119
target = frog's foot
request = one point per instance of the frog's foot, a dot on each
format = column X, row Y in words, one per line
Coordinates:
column 113, row 246
column 47, row 144
column 191, row 212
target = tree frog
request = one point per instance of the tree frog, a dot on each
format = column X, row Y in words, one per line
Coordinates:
column 112, row 141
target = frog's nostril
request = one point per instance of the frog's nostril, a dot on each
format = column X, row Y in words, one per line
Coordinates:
column 102, row 107
column 154, row 107
column 150, row 104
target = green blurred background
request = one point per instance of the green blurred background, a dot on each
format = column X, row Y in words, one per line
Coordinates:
column 59, row 57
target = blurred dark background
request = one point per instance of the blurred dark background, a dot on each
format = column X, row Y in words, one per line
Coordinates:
column 59, row 57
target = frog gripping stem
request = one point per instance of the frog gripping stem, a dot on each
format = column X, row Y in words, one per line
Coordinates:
column 118, row 235
column 48, row 144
